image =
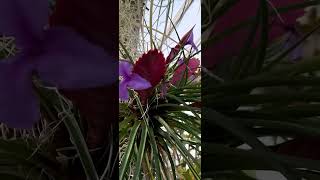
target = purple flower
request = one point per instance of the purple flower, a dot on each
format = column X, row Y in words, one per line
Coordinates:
column 58, row 55
column 130, row 80
column 187, row 39
column 292, row 37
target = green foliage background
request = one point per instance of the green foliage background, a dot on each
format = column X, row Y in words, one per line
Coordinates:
column 286, row 107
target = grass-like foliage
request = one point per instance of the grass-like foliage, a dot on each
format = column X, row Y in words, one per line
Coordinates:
column 259, row 93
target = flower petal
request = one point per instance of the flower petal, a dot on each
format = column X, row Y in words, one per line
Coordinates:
column 23, row 19
column 173, row 53
column 123, row 91
column 125, row 68
column 151, row 66
column 71, row 62
column 138, row 83
column 181, row 71
column 19, row 107
column 187, row 39
column 292, row 38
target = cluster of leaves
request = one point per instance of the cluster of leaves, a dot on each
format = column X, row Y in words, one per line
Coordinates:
column 260, row 97
column 56, row 149
column 156, row 137
column 159, row 133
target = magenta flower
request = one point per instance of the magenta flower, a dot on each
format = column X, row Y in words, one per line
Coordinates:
column 152, row 67
column 185, row 71
column 130, row 79
column 58, row 55
column 181, row 72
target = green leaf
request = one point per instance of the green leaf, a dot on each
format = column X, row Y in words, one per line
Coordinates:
column 240, row 159
column 243, row 60
column 141, row 152
column 214, row 118
column 258, row 99
column 126, row 158
column 155, row 152
column 166, row 149
column 277, row 77
column 17, row 153
column 264, row 35
column 81, row 146
column 181, row 147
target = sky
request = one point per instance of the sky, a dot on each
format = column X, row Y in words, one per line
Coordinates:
column 190, row 19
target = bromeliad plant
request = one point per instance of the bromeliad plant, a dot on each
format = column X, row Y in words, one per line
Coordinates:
column 159, row 131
